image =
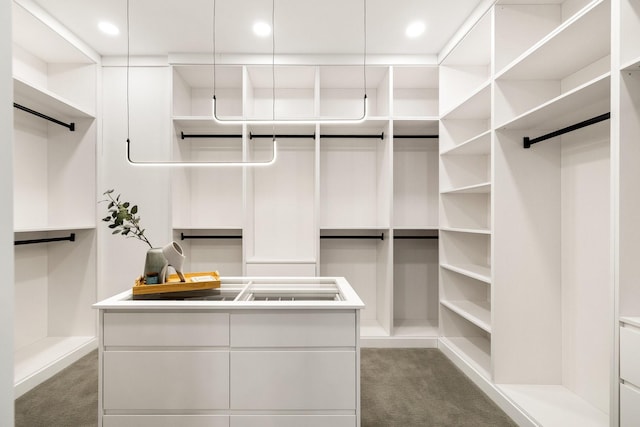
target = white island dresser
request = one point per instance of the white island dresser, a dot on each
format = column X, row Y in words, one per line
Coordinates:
column 256, row 352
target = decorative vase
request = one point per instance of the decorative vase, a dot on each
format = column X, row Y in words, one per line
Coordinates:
column 155, row 267
column 175, row 257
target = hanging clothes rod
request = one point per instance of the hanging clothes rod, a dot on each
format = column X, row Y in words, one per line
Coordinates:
column 380, row 237
column 184, row 135
column 70, row 238
column 528, row 142
column 435, row 136
column 195, row 236
column 70, row 126
column 278, row 136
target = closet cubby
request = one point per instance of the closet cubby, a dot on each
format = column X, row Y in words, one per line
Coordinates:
column 355, row 175
column 544, row 74
column 54, row 200
column 415, row 284
column 209, row 250
column 629, row 34
column 415, row 92
column 54, row 291
column 193, row 88
column 342, row 89
column 415, row 174
column 294, row 92
column 281, row 214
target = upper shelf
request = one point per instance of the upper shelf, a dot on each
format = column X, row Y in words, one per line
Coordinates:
column 46, row 102
column 574, row 45
column 592, row 98
column 476, row 106
column 478, row 145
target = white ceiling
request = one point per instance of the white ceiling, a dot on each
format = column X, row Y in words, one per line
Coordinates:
column 160, row 27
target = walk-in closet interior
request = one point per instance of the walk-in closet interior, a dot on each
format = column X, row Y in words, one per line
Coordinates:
column 486, row 205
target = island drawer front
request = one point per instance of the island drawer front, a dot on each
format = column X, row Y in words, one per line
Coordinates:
column 166, row 329
column 293, row 420
column 165, row 421
column 293, row 380
column 629, row 351
column 164, row 380
column 629, row 406
column 290, row 328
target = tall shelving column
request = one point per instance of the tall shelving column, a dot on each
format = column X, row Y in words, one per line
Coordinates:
column 551, row 337
column 208, row 203
column 355, row 191
column 626, row 103
column 54, row 197
column 465, row 201
column 414, row 105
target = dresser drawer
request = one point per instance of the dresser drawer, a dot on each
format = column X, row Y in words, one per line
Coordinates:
column 165, row 421
column 293, row 380
column 165, row 380
column 629, row 406
column 629, row 351
column 293, row 420
column 166, row 329
column 291, row 328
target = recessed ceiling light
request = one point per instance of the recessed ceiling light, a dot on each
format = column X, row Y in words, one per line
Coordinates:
column 261, row 29
column 415, row 29
column 108, row 28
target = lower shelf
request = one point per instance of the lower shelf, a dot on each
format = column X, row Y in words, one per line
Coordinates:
column 406, row 334
column 476, row 351
column 554, row 406
column 41, row 360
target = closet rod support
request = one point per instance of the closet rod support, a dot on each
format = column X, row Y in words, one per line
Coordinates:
column 71, row 126
column 70, row 238
column 528, row 142
column 195, row 236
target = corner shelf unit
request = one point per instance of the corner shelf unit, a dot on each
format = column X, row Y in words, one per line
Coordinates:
column 55, row 90
column 333, row 201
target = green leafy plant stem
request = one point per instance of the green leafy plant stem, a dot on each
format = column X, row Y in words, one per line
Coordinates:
column 123, row 218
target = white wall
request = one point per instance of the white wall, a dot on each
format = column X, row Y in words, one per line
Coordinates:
column 121, row 259
column 6, row 218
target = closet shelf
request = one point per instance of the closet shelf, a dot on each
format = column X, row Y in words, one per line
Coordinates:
column 572, row 46
column 478, row 145
column 476, row 351
column 53, row 228
column 578, row 104
column 632, row 65
column 476, row 312
column 467, row 230
column 47, row 102
column 484, row 187
column 476, row 106
column 477, row 272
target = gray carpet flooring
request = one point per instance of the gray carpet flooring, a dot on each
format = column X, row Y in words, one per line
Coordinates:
column 399, row 388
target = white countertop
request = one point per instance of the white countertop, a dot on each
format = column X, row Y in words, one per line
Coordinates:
column 252, row 293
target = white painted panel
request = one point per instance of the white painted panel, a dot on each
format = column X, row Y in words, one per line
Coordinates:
column 281, row 269
column 293, row 380
column 293, row 329
column 166, row 329
column 195, row 380
column 30, row 290
column 629, row 351
column 293, row 420
column 165, row 421
column 629, row 406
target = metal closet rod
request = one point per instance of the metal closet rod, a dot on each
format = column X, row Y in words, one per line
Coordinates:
column 196, row 236
column 70, row 238
column 415, row 237
column 434, row 136
column 528, row 142
column 281, row 136
column 71, row 126
column 380, row 237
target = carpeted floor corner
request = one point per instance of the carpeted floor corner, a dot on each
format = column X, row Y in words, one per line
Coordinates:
column 399, row 388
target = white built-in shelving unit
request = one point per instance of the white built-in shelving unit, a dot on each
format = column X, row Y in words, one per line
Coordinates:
column 54, row 197
column 525, row 232
column 625, row 77
column 337, row 194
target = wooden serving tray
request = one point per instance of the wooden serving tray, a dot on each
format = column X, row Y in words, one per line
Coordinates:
column 174, row 284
